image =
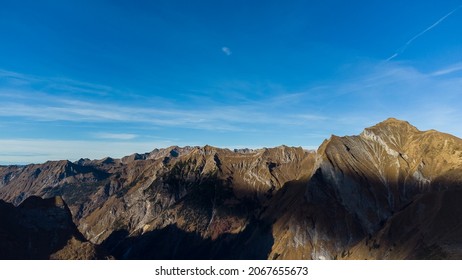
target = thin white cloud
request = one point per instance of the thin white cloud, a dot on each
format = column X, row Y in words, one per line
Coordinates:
column 311, row 117
column 116, row 136
column 409, row 42
column 226, row 51
column 217, row 117
column 448, row 70
column 47, row 106
column 427, row 100
column 393, row 56
column 57, row 84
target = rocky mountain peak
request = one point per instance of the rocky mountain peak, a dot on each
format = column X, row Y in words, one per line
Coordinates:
column 393, row 131
column 393, row 126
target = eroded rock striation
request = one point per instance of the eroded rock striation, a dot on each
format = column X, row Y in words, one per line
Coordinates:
column 391, row 192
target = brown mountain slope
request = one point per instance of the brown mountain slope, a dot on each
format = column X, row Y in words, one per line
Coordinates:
column 359, row 183
column 429, row 228
column 391, row 188
column 208, row 193
column 205, row 192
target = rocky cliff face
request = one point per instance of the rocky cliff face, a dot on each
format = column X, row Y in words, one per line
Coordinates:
column 350, row 199
column 204, row 197
column 360, row 184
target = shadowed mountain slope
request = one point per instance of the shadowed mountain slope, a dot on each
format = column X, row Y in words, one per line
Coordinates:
column 42, row 229
column 390, row 189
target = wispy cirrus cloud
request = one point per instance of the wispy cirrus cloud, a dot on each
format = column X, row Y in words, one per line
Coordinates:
column 392, row 89
column 55, row 84
column 448, row 70
column 410, row 41
column 24, row 102
column 273, row 116
column 223, row 118
column 116, row 136
column 226, row 51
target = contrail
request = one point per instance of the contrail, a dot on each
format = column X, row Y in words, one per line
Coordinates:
column 404, row 47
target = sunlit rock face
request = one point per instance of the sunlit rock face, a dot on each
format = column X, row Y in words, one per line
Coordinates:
column 355, row 197
column 362, row 184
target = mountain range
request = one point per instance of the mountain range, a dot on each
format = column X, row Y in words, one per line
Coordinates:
column 392, row 192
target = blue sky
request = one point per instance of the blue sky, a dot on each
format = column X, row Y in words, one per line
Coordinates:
column 96, row 78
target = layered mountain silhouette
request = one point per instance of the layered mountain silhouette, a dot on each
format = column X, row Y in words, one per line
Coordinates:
column 393, row 192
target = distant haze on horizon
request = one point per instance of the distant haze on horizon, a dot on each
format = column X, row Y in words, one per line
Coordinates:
column 111, row 78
